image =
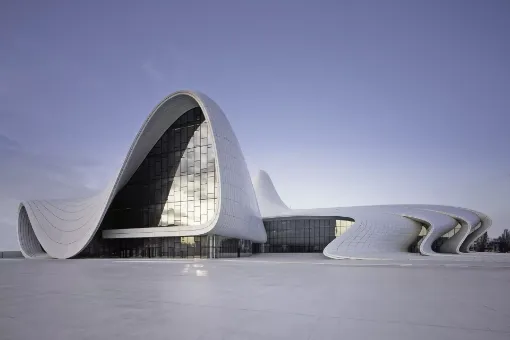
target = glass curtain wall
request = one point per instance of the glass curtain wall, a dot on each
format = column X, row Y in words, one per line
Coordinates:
column 301, row 234
column 175, row 185
column 341, row 226
column 204, row 246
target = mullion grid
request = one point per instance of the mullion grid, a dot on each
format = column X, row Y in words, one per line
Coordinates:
column 193, row 190
column 299, row 235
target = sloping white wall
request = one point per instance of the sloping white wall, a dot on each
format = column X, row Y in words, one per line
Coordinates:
column 64, row 228
column 383, row 231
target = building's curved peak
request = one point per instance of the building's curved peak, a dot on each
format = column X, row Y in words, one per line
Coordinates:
column 64, row 232
column 269, row 201
column 154, row 126
column 63, row 229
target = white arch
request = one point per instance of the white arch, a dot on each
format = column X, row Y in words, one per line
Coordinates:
column 65, row 227
column 485, row 223
column 438, row 224
column 467, row 219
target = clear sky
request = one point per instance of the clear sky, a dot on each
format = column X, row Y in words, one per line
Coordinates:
column 341, row 102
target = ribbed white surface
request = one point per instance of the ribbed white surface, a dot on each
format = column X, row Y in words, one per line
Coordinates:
column 383, row 231
column 63, row 228
column 485, row 223
column 270, row 203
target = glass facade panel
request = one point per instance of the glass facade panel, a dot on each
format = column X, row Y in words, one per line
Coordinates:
column 174, row 185
column 204, row 246
column 341, row 226
column 300, row 234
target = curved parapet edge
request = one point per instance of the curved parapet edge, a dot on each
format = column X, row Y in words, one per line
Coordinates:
column 377, row 233
column 438, row 225
column 453, row 243
column 386, row 240
column 268, row 198
column 64, row 228
column 485, row 223
column 28, row 242
column 469, row 219
column 238, row 215
column 466, row 218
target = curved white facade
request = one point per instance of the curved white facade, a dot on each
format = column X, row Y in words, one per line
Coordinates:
column 384, row 231
column 64, row 228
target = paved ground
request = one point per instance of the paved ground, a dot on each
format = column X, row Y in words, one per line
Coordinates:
column 262, row 297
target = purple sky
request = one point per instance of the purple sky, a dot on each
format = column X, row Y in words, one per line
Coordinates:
column 342, row 102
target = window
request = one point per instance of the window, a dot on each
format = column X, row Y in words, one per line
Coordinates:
column 176, row 184
column 341, row 226
column 302, row 234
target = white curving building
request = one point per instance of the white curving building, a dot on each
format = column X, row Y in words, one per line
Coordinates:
column 184, row 190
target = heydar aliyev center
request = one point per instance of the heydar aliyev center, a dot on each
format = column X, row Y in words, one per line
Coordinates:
column 184, row 190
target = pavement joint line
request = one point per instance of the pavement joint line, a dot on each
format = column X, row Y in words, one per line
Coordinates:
column 154, row 261
column 332, row 263
column 6, row 259
column 316, row 263
column 345, row 263
column 272, row 262
column 269, row 262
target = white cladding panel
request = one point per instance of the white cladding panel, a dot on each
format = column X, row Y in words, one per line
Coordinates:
column 384, row 231
column 63, row 228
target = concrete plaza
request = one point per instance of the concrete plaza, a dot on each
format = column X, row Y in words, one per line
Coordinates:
column 295, row 296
